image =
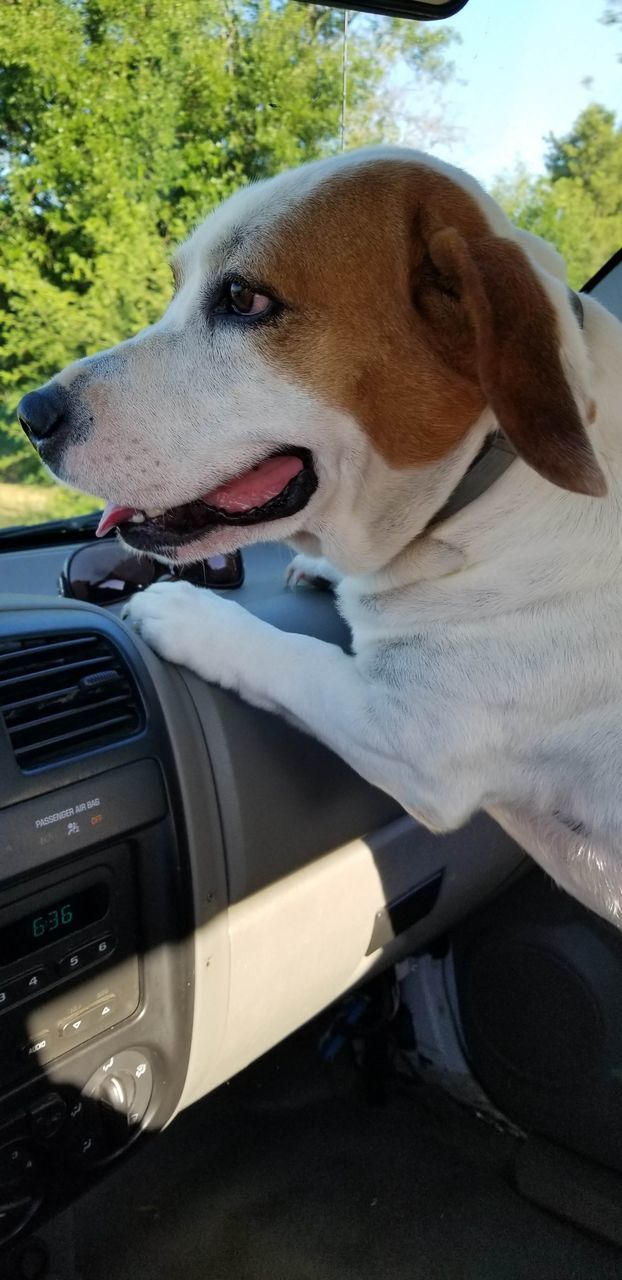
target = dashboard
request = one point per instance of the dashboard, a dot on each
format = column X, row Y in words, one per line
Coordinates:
column 184, row 880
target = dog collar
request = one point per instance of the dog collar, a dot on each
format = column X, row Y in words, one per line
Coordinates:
column 492, row 461
column 494, row 458
column 577, row 306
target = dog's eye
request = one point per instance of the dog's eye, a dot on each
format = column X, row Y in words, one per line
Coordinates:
column 238, row 299
column 241, row 300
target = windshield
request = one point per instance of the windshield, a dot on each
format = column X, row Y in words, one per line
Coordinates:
column 123, row 122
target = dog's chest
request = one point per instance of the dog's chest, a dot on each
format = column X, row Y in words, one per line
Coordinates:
column 588, row 868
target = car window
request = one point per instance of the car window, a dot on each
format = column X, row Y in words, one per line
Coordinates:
column 122, row 124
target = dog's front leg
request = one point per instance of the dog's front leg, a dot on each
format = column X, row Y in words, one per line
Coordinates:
column 311, row 683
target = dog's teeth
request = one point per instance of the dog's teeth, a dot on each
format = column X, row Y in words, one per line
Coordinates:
column 137, row 518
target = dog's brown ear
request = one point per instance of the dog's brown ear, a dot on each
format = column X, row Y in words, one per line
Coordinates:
column 496, row 322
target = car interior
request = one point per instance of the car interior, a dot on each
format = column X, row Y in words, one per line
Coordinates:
column 255, row 1021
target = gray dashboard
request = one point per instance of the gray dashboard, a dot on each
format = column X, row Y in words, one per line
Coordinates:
column 251, row 879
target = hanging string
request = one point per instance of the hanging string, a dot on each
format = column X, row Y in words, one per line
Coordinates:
column 344, row 76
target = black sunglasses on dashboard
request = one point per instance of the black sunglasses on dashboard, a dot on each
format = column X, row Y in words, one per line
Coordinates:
column 106, row 574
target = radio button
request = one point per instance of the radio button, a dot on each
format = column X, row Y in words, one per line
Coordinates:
column 8, row 996
column 104, row 1011
column 70, row 964
column 32, row 982
column 26, row 985
column 48, row 1116
column 100, row 949
column 89, row 1022
column 77, row 960
column 37, row 1044
column 77, row 1027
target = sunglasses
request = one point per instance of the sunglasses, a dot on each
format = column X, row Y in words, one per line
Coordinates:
column 104, row 574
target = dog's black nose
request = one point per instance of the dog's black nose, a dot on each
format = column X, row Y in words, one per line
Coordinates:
column 42, row 413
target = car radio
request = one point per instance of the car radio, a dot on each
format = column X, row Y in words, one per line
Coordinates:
column 68, row 961
column 96, row 978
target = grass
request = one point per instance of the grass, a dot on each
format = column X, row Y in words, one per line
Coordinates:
column 36, row 503
column 27, row 493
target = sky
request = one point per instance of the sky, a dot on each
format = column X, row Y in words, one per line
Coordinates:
column 523, row 63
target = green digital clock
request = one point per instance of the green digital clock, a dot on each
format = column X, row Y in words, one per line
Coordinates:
column 53, row 920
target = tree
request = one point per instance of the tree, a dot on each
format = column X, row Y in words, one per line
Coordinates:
column 577, row 205
column 122, row 122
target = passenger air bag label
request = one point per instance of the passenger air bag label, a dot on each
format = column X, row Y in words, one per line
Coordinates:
column 65, row 821
column 68, row 813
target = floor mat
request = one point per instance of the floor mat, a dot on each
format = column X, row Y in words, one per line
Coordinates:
column 281, row 1176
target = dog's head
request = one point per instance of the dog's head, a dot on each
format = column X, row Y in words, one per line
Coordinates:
column 341, row 339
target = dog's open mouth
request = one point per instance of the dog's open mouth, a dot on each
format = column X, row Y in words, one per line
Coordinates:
column 279, row 486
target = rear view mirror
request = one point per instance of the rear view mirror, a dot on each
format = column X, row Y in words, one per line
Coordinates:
column 425, row 9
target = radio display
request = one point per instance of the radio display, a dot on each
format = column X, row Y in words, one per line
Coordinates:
column 53, row 921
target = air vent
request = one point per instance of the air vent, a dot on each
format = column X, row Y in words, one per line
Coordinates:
column 61, row 695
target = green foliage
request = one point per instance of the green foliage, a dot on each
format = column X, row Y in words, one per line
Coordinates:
column 577, row 205
column 123, row 122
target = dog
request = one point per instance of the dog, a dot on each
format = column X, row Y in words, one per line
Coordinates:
column 365, row 359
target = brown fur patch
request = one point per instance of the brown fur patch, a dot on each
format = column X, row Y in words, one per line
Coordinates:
column 517, row 356
column 412, row 336
column 345, row 260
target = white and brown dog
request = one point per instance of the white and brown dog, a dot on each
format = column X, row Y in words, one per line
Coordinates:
column 343, row 342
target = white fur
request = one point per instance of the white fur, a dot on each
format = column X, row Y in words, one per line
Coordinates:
column 487, row 665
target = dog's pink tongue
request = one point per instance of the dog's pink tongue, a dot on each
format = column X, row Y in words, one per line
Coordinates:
column 111, row 516
column 254, row 488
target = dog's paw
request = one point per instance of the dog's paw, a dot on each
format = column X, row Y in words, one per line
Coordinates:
column 311, row 571
column 192, row 627
column 166, row 616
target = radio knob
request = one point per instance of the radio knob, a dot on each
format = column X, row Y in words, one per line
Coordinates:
column 118, row 1092
column 117, row 1097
